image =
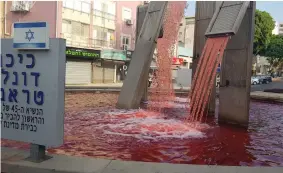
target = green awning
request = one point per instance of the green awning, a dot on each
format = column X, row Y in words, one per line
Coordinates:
column 113, row 55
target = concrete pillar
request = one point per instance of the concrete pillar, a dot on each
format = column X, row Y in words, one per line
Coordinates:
column 204, row 13
column 132, row 92
column 234, row 94
column 141, row 13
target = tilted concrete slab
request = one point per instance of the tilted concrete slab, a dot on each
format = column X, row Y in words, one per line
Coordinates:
column 204, row 13
column 235, row 77
column 71, row 164
column 133, row 87
column 227, row 18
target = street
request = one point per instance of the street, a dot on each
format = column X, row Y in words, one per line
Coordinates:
column 273, row 85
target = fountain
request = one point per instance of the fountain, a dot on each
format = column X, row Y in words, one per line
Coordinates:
column 153, row 136
column 228, row 18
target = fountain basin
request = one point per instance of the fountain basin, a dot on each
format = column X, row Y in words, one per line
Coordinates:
column 139, row 135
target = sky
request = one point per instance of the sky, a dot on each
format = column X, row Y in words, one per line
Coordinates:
column 275, row 9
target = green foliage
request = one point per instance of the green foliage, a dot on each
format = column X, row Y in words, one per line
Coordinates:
column 275, row 47
column 264, row 25
column 274, row 52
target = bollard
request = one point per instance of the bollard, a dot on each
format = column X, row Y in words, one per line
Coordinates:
column 37, row 153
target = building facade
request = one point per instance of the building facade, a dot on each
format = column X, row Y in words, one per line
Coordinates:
column 186, row 41
column 89, row 27
column 96, row 32
column 126, row 24
column 280, row 28
column 275, row 31
column 21, row 11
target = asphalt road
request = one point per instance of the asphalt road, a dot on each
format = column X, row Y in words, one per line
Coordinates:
column 272, row 85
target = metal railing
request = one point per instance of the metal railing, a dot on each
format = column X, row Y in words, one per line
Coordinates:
column 85, row 42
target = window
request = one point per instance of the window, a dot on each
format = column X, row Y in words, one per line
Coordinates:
column 77, row 5
column 68, row 4
column 85, row 7
column 84, row 30
column 66, row 27
column 104, row 7
column 125, row 42
column 94, row 34
column 126, row 13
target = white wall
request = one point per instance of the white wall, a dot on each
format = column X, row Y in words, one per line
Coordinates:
column 276, row 29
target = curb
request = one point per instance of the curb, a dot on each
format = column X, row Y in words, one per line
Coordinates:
column 256, row 95
column 13, row 162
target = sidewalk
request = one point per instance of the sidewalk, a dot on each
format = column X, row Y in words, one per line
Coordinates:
column 114, row 86
column 12, row 161
column 267, row 96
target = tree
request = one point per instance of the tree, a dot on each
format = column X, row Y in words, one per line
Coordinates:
column 274, row 52
column 264, row 25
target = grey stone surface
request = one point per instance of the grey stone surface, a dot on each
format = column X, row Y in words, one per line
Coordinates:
column 264, row 96
column 235, row 70
column 71, row 164
column 204, row 13
column 59, row 163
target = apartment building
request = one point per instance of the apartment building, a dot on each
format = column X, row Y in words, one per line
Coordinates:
column 94, row 49
column 186, row 40
column 21, row 11
column 275, row 31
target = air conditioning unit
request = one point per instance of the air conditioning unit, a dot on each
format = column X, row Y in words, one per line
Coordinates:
column 20, row 6
column 129, row 22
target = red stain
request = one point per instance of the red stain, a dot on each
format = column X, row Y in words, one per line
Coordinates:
column 118, row 136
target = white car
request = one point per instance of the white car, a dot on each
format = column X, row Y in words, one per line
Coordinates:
column 255, row 81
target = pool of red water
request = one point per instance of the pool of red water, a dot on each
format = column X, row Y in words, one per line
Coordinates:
column 147, row 136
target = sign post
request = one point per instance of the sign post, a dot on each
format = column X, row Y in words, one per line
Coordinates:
column 32, row 88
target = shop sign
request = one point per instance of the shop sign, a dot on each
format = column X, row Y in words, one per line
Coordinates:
column 177, row 61
column 32, row 93
column 82, row 53
column 113, row 55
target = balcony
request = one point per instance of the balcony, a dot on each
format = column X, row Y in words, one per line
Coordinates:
column 99, row 43
column 103, row 19
column 85, row 42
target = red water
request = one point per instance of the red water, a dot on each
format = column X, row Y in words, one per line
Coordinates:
column 148, row 136
column 205, row 75
column 162, row 91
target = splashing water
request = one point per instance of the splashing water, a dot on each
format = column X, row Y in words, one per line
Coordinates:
column 204, row 77
column 162, row 90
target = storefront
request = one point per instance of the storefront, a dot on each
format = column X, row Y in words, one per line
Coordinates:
column 112, row 66
column 79, row 65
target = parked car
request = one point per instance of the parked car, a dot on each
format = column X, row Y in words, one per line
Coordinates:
column 265, row 79
column 255, row 80
column 268, row 78
column 262, row 79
